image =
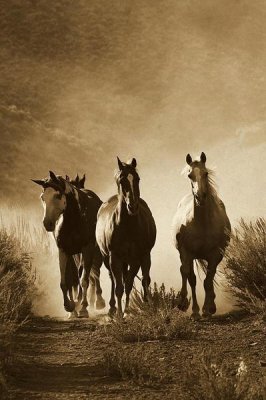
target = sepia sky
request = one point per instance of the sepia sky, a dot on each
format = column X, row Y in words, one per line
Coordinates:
column 147, row 79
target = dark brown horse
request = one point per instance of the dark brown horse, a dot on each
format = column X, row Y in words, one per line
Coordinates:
column 95, row 291
column 71, row 215
column 201, row 232
column 126, row 233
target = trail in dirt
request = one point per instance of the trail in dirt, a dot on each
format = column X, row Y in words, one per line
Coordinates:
column 56, row 359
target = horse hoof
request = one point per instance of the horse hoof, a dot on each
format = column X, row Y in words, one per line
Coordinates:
column 212, row 309
column 183, row 305
column 206, row 314
column 70, row 306
column 83, row 313
column 112, row 312
column 195, row 316
column 72, row 315
column 100, row 304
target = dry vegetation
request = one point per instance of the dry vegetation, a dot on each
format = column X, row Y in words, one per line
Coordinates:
column 21, row 247
column 206, row 379
column 158, row 319
column 246, row 266
column 17, row 290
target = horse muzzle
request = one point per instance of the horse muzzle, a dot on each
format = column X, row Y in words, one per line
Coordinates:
column 133, row 209
column 49, row 225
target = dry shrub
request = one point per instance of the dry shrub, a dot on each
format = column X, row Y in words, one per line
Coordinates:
column 123, row 363
column 16, row 292
column 206, row 380
column 158, row 319
column 245, row 268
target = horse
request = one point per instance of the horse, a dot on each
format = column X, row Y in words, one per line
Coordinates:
column 71, row 214
column 95, row 286
column 126, row 234
column 201, row 230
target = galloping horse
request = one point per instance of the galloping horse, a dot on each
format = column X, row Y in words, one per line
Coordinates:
column 95, row 286
column 71, row 214
column 126, row 233
column 201, row 232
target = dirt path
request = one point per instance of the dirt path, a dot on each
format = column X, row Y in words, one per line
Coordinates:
column 56, row 359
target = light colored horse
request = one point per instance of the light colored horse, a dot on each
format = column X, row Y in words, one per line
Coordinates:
column 201, row 231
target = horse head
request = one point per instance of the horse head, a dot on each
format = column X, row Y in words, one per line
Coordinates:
column 198, row 175
column 53, row 199
column 127, row 180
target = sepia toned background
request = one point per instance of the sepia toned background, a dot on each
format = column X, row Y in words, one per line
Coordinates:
column 82, row 82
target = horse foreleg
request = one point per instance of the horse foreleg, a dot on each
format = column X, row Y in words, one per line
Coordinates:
column 68, row 304
column 209, row 306
column 116, row 267
column 74, row 313
column 97, row 262
column 192, row 281
column 146, row 280
column 87, row 254
column 187, row 264
column 129, row 281
column 92, row 294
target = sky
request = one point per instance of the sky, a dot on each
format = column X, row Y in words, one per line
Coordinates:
column 151, row 80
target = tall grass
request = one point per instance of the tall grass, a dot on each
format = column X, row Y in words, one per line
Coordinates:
column 245, row 268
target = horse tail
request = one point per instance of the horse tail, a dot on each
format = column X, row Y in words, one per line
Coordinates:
column 202, row 265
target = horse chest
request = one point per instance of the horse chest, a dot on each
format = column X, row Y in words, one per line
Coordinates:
column 199, row 240
column 128, row 244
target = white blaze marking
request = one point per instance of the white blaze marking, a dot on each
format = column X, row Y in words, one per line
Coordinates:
column 130, row 179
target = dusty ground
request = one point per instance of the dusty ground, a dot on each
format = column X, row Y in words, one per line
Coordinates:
column 56, row 359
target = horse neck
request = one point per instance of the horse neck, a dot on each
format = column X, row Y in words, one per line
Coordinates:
column 121, row 211
column 204, row 213
column 72, row 211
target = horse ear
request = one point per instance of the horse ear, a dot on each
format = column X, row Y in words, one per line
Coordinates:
column 53, row 177
column 188, row 159
column 203, row 158
column 77, row 179
column 67, row 178
column 133, row 163
column 82, row 181
column 38, row 181
column 120, row 164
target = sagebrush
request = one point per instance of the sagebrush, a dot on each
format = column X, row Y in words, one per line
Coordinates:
column 245, row 268
column 158, row 319
column 207, row 379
